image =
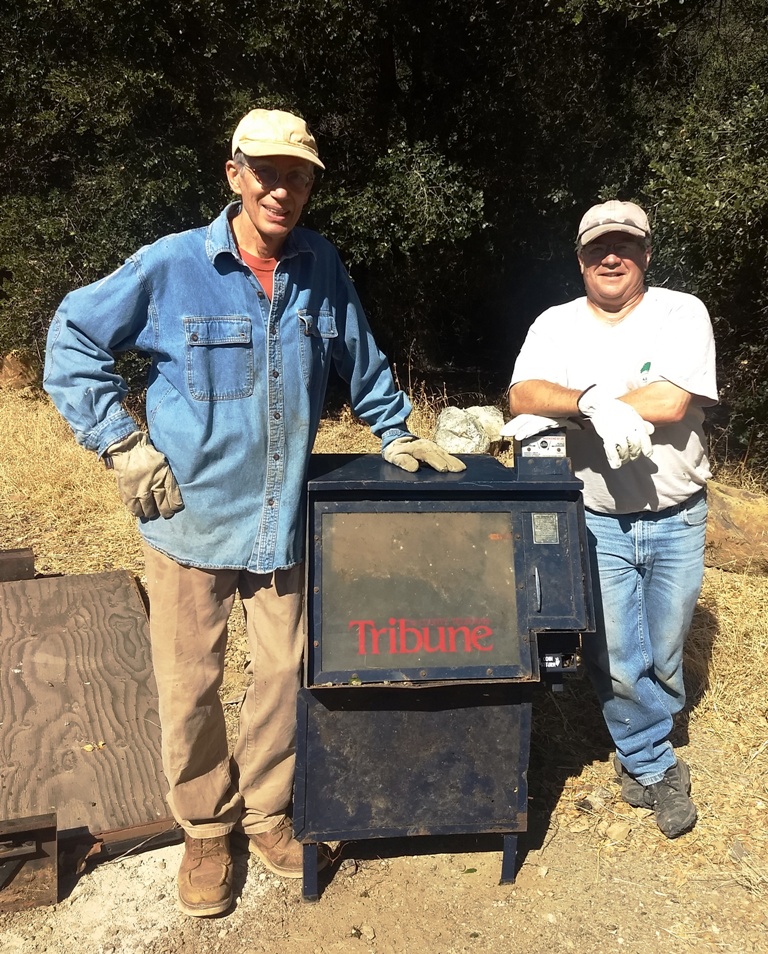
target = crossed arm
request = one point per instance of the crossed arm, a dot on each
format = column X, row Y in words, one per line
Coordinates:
column 659, row 403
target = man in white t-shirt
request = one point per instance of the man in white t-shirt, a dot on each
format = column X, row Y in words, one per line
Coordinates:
column 630, row 368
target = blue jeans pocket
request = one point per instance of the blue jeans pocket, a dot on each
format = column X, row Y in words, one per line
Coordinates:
column 696, row 515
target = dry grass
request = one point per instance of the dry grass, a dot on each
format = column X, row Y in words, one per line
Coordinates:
column 741, row 475
column 56, row 499
column 342, row 433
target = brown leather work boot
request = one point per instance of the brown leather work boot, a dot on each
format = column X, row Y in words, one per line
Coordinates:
column 280, row 851
column 205, row 876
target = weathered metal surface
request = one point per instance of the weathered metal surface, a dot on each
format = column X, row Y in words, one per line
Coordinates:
column 442, row 583
column 383, row 763
column 28, row 862
column 444, row 577
column 16, row 565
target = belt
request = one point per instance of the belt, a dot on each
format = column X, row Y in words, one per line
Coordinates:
column 666, row 512
column 686, row 504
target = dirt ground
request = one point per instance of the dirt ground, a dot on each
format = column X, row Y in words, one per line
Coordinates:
column 595, row 876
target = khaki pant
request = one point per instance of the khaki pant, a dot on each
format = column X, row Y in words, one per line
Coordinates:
column 189, row 609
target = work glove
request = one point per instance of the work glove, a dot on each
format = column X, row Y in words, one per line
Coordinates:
column 524, row 426
column 624, row 433
column 144, row 480
column 406, row 452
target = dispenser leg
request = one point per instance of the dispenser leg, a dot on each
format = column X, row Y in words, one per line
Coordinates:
column 509, row 859
column 311, row 890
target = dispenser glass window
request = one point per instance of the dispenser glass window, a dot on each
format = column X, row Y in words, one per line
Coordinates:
column 405, row 590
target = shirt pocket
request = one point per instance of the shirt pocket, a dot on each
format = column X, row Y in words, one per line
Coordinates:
column 220, row 363
column 317, row 334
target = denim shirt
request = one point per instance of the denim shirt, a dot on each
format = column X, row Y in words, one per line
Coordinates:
column 236, row 387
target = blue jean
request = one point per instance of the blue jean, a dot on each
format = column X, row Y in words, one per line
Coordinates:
column 648, row 570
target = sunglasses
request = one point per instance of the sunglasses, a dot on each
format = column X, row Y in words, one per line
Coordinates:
column 623, row 249
column 268, row 177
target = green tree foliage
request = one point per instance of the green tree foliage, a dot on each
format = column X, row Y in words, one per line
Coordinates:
column 104, row 144
column 708, row 187
column 463, row 142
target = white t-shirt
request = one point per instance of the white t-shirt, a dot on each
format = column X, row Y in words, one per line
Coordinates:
column 667, row 337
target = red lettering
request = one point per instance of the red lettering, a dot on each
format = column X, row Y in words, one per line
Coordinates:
column 478, row 633
column 375, row 639
column 392, row 635
column 361, row 624
column 404, row 636
column 418, row 636
column 454, row 631
column 440, row 648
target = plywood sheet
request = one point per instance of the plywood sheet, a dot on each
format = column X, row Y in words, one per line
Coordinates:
column 79, row 729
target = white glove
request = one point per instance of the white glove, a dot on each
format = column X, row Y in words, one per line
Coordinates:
column 406, row 452
column 144, row 479
column 526, row 425
column 624, row 433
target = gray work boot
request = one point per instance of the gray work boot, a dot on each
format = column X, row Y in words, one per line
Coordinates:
column 205, row 876
column 669, row 799
column 632, row 792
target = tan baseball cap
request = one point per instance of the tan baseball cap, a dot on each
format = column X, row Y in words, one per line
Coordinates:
column 613, row 216
column 272, row 132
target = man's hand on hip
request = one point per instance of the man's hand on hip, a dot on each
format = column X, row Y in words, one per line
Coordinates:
column 408, row 452
column 624, row 433
column 144, row 479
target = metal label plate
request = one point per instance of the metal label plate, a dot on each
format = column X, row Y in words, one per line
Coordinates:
column 545, row 529
column 543, row 445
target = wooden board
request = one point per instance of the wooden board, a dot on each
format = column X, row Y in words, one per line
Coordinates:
column 79, row 729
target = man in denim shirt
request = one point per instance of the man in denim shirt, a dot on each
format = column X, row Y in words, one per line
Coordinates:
column 635, row 366
column 242, row 320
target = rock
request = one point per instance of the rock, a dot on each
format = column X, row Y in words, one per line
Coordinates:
column 618, row 831
column 476, row 430
column 459, row 432
column 490, row 419
column 737, row 529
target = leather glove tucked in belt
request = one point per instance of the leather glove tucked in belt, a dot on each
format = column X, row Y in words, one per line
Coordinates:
column 624, row 433
column 523, row 426
column 406, row 452
column 144, row 479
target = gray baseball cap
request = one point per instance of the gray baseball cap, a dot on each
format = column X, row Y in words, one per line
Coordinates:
column 613, row 216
